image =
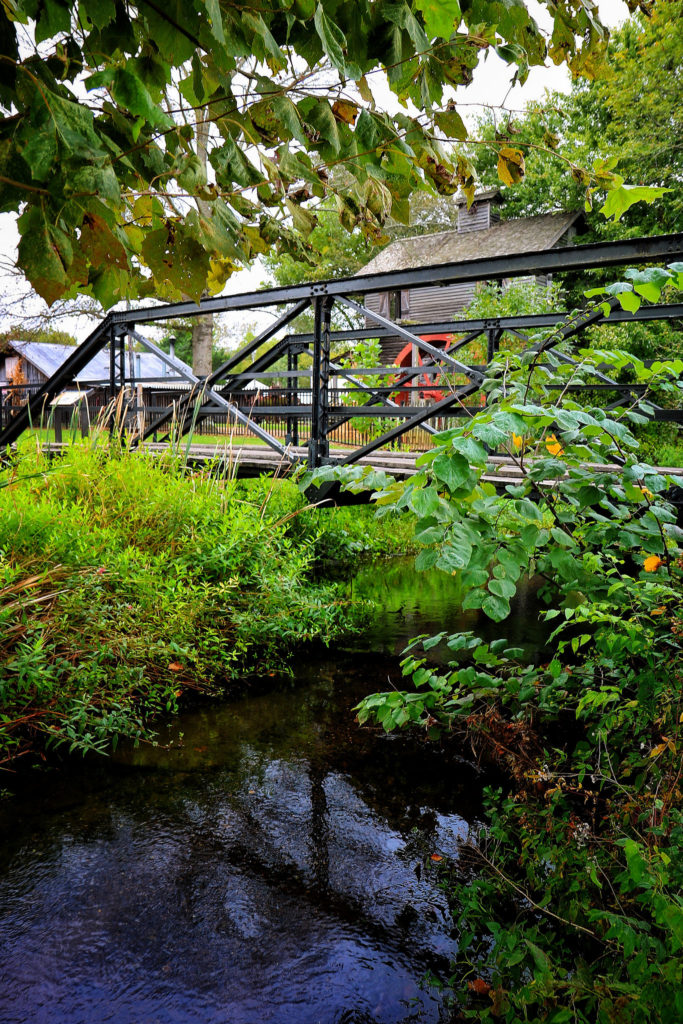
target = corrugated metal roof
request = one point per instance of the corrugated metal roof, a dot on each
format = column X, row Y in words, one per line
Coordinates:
column 68, row 398
column 525, row 234
column 48, row 358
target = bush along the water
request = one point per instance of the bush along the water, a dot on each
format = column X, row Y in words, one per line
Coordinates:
column 331, row 534
column 568, row 900
column 124, row 582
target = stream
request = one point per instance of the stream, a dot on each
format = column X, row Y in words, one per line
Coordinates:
column 269, row 861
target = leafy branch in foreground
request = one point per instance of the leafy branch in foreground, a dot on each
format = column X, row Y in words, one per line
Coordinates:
column 110, row 107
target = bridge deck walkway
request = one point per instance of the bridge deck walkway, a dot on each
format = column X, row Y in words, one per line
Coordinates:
column 254, row 459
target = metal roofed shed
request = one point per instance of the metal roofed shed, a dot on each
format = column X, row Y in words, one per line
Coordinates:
column 68, row 399
column 66, row 406
column 42, row 359
column 36, row 362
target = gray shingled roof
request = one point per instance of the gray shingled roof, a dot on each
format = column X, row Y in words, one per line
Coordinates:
column 525, row 234
column 492, row 194
column 48, row 358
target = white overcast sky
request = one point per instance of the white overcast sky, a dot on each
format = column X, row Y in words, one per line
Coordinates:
column 491, row 86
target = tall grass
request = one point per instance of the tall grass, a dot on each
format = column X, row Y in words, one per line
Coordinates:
column 125, row 580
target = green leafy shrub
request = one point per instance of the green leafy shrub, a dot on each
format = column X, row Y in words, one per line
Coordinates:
column 567, row 901
column 328, row 533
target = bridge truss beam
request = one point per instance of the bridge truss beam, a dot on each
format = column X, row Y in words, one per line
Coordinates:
column 328, row 407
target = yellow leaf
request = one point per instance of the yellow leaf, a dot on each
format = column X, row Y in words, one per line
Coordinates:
column 510, row 165
column 345, row 111
column 135, row 236
column 364, row 90
column 553, row 445
column 142, row 210
column 219, row 272
column 659, row 749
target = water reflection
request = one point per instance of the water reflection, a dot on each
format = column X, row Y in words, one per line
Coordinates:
column 274, row 863
column 411, row 603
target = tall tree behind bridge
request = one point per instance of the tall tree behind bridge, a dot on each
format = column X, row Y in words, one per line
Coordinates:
column 202, row 327
column 631, row 113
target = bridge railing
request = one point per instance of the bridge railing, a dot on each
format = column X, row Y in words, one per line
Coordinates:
column 288, row 389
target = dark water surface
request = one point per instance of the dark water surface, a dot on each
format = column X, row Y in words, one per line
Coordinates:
column 273, row 865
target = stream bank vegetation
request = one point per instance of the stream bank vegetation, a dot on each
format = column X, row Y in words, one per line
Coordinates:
column 567, row 901
column 127, row 581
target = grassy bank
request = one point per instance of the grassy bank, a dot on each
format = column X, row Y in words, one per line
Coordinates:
column 125, row 582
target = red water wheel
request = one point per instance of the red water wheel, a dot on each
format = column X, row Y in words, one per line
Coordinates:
column 428, row 383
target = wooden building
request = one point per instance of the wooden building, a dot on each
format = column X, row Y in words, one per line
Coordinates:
column 34, row 362
column 480, row 233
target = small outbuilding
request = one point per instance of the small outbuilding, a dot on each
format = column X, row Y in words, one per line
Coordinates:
column 26, row 365
column 38, row 361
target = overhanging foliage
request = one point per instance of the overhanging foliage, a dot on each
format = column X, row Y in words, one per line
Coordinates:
column 106, row 104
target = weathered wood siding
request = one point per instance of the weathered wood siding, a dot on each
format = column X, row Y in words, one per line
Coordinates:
column 424, row 304
column 479, row 217
column 33, row 375
column 445, row 302
column 10, row 365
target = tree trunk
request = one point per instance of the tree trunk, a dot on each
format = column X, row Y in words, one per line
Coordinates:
column 202, row 330
column 202, row 345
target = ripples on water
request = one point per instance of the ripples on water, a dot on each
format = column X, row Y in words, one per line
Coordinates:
column 273, row 865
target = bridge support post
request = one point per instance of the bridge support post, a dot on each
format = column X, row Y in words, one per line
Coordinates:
column 292, row 435
column 319, row 446
column 128, row 359
column 117, row 378
column 492, row 342
column 493, row 335
column 112, row 379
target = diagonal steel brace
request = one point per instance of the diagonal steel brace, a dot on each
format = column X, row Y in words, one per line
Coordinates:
column 220, row 402
column 439, row 354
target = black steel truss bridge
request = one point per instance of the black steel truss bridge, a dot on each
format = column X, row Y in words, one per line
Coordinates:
column 324, row 394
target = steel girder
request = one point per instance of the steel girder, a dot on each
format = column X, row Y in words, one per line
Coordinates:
column 575, row 325
column 222, row 384
column 221, row 372
column 200, row 389
column 576, row 257
column 528, row 321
